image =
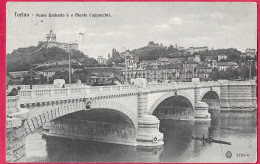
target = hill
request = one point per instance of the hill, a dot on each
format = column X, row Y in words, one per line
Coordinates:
column 23, row 58
column 152, row 51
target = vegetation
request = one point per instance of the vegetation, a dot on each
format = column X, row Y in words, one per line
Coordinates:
column 27, row 58
column 233, row 74
column 24, row 58
column 233, row 55
column 151, row 52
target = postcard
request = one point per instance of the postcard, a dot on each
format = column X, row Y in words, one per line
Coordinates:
column 135, row 82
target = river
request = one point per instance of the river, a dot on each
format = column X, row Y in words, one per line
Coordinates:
column 238, row 128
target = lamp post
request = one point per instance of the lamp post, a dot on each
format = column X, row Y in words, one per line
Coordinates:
column 125, row 69
column 185, row 71
column 126, row 54
column 70, row 47
column 69, row 67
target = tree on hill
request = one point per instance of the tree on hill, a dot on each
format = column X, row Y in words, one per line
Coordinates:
column 115, row 58
column 232, row 54
column 115, row 53
column 151, row 43
column 214, row 75
column 172, row 49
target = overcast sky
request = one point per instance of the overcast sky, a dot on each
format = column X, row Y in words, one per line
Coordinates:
column 133, row 24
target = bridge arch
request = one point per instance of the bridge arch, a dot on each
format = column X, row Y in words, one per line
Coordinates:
column 95, row 104
column 99, row 123
column 62, row 108
column 171, row 94
column 211, row 90
column 212, row 98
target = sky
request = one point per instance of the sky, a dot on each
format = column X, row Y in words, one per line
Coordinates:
column 133, row 24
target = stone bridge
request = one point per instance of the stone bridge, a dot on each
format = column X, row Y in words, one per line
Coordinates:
column 126, row 114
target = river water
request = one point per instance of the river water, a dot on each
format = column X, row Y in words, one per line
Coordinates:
column 238, row 128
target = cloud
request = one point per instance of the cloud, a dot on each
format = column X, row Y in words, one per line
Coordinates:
column 175, row 21
column 193, row 16
column 162, row 27
column 114, row 33
column 91, row 34
column 128, row 26
column 64, row 32
column 168, row 26
column 217, row 15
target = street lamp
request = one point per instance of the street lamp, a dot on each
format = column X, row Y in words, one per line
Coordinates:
column 185, row 71
column 69, row 66
column 126, row 54
column 70, row 47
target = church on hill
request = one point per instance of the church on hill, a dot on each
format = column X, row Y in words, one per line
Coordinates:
column 51, row 42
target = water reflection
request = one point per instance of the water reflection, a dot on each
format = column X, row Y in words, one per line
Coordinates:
column 69, row 150
column 237, row 128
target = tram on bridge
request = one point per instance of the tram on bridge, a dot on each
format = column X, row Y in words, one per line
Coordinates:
column 101, row 80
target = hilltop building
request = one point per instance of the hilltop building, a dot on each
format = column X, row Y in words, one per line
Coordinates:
column 51, row 42
column 191, row 50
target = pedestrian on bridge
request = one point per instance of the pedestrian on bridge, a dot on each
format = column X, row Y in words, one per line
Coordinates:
column 14, row 91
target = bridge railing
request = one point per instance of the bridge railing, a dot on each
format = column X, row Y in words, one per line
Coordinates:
column 180, row 85
column 97, row 90
column 83, row 90
column 174, row 85
column 11, row 104
column 242, row 82
column 45, row 86
column 74, row 85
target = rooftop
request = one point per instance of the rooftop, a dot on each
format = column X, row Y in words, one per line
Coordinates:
column 226, row 64
column 191, row 61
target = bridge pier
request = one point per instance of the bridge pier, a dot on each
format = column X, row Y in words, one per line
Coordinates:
column 224, row 100
column 148, row 125
column 15, row 132
column 201, row 113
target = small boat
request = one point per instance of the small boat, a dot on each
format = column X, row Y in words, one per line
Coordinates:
column 210, row 140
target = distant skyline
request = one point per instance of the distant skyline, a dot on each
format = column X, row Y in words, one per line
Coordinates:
column 133, row 24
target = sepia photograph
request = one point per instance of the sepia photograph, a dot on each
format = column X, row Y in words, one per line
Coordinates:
column 135, row 82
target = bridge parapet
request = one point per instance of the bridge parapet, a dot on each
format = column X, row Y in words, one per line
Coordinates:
column 15, row 133
column 86, row 91
column 242, row 83
column 31, row 95
column 179, row 86
column 83, row 91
